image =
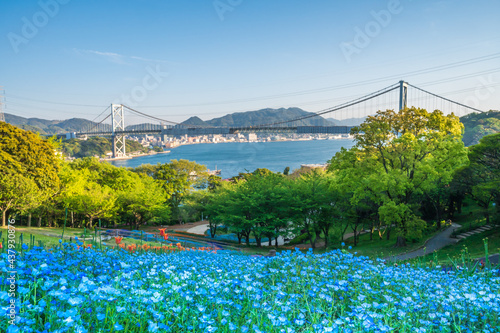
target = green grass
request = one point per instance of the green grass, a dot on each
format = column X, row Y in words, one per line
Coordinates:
column 471, row 247
column 50, row 237
column 380, row 248
column 47, row 241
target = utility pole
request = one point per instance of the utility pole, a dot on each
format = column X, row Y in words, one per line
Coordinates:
column 2, row 116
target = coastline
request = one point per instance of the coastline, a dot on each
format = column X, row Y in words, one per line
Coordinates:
column 238, row 157
column 132, row 156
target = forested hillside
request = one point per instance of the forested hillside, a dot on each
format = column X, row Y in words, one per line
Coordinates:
column 95, row 146
column 48, row 127
column 478, row 125
column 267, row 116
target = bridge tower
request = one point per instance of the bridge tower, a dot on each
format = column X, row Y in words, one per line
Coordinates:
column 403, row 94
column 118, row 126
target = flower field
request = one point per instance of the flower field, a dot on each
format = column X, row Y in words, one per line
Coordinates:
column 70, row 289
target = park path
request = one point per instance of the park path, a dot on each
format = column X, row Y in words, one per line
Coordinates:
column 437, row 242
column 199, row 229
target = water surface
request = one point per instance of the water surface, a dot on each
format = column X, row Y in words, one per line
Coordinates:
column 235, row 157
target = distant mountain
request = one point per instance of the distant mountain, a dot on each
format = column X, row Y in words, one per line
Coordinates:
column 49, row 127
column 347, row 122
column 195, row 121
column 268, row 116
column 478, row 125
column 78, row 124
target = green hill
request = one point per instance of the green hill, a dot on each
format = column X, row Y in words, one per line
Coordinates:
column 478, row 125
column 195, row 121
column 95, row 146
column 268, row 116
column 48, row 127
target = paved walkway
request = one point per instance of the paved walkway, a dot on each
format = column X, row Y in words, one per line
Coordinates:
column 475, row 231
column 199, row 229
column 435, row 243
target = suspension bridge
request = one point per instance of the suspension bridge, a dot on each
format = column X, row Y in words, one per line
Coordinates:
column 398, row 95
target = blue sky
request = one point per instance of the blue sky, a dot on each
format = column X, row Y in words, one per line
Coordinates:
column 173, row 59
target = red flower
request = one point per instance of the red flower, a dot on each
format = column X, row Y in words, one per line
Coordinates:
column 162, row 232
column 118, row 240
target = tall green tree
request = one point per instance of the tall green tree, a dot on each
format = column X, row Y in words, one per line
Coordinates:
column 83, row 193
column 481, row 178
column 30, row 162
column 178, row 179
column 316, row 205
column 404, row 154
column 144, row 200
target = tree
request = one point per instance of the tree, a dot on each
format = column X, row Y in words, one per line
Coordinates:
column 18, row 193
column 481, row 178
column 316, row 205
column 257, row 205
column 178, row 178
column 30, row 162
column 401, row 155
column 83, row 193
column 144, row 200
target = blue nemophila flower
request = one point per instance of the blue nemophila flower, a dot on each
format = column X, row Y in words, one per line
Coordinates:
column 13, row 329
column 118, row 327
column 296, row 291
column 152, row 326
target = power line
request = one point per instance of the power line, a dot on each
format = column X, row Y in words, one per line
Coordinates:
column 55, row 103
column 342, row 86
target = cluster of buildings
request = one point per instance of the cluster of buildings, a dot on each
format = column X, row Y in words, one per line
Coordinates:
column 172, row 142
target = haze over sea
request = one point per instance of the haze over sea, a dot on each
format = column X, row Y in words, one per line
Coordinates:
column 232, row 158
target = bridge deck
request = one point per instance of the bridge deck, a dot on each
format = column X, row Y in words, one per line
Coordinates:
column 196, row 131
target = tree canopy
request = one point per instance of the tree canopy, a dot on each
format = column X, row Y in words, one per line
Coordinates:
column 29, row 169
column 397, row 157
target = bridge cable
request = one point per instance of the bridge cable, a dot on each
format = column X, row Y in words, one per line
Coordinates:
column 446, row 99
column 339, row 107
column 160, row 119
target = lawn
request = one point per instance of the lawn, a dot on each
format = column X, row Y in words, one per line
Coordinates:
column 49, row 237
column 382, row 248
column 472, row 247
